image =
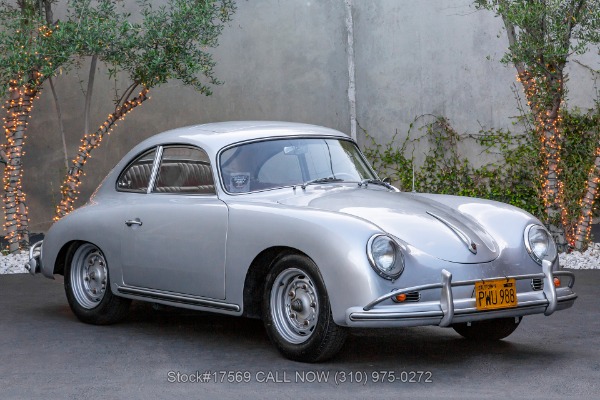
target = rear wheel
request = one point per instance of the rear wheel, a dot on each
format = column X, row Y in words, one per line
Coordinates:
column 87, row 287
column 297, row 313
column 488, row 330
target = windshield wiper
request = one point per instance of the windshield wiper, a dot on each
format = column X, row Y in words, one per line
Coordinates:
column 328, row 179
column 379, row 182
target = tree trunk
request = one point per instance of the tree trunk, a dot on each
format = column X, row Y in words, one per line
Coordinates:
column 584, row 222
column 61, row 126
column 552, row 186
column 18, row 108
column 70, row 188
column 548, row 131
column 88, row 95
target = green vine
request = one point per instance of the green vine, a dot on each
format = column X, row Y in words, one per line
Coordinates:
column 581, row 138
column 510, row 173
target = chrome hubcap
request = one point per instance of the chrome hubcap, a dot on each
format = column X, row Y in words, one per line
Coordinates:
column 294, row 305
column 88, row 276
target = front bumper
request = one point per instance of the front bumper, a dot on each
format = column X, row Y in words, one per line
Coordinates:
column 34, row 265
column 448, row 311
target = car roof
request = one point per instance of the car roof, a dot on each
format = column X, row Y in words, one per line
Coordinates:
column 214, row 136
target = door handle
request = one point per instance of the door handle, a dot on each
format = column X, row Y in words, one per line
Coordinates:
column 136, row 221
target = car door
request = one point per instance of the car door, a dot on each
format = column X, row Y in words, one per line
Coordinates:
column 174, row 234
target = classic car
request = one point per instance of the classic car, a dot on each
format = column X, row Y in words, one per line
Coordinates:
column 288, row 222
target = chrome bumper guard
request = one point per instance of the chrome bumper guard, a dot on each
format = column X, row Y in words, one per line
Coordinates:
column 447, row 300
column 34, row 265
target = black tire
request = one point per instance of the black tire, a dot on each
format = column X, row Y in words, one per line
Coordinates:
column 488, row 330
column 296, row 311
column 87, row 286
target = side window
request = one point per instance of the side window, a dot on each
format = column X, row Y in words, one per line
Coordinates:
column 135, row 176
column 184, row 170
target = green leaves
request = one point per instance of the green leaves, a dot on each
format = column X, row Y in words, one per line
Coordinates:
column 511, row 178
column 153, row 46
column 543, row 34
column 172, row 42
column 30, row 48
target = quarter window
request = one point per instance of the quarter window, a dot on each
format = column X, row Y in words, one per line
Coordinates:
column 184, row 170
column 135, row 176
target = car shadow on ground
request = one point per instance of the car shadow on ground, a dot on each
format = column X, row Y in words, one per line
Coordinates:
column 418, row 347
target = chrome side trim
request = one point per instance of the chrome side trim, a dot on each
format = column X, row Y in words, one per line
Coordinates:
column 461, row 235
column 392, row 316
column 177, row 298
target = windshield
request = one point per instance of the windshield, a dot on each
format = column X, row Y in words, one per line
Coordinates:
column 288, row 162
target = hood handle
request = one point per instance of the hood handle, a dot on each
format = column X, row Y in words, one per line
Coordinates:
column 471, row 245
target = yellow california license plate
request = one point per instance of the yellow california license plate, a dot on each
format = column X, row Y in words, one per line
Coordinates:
column 491, row 295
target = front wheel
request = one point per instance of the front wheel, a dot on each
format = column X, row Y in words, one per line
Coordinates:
column 488, row 330
column 87, row 287
column 297, row 313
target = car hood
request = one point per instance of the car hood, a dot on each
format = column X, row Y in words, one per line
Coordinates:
column 425, row 224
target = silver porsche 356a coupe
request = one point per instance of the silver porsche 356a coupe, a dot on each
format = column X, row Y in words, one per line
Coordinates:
column 288, row 222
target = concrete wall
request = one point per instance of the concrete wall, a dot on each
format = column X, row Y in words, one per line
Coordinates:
column 287, row 60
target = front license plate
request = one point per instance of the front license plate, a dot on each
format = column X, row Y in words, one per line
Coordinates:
column 491, row 295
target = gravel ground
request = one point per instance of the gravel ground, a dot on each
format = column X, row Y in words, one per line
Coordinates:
column 589, row 259
column 14, row 263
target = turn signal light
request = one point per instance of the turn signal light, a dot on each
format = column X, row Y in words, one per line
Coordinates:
column 401, row 297
column 556, row 282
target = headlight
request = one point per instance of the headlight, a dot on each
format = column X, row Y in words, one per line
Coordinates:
column 539, row 243
column 385, row 257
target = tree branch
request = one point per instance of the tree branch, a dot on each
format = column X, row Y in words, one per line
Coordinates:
column 60, row 121
column 126, row 95
column 88, row 95
column 512, row 42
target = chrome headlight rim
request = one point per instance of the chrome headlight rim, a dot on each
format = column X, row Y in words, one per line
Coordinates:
column 398, row 260
column 551, row 244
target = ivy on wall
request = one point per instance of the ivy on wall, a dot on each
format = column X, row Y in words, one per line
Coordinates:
column 581, row 137
column 430, row 156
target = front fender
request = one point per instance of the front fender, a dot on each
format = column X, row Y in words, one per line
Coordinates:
column 336, row 242
column 100, row 225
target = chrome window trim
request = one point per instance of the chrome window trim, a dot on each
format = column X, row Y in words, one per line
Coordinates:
column 155, row 165
column 241, row 143
column 129, row 164
column 158, row 162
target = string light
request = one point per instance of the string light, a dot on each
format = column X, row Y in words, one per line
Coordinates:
column 70, row 188
column 547, row 123
column 584, row 225
column 18, row 109
column 23, row 91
